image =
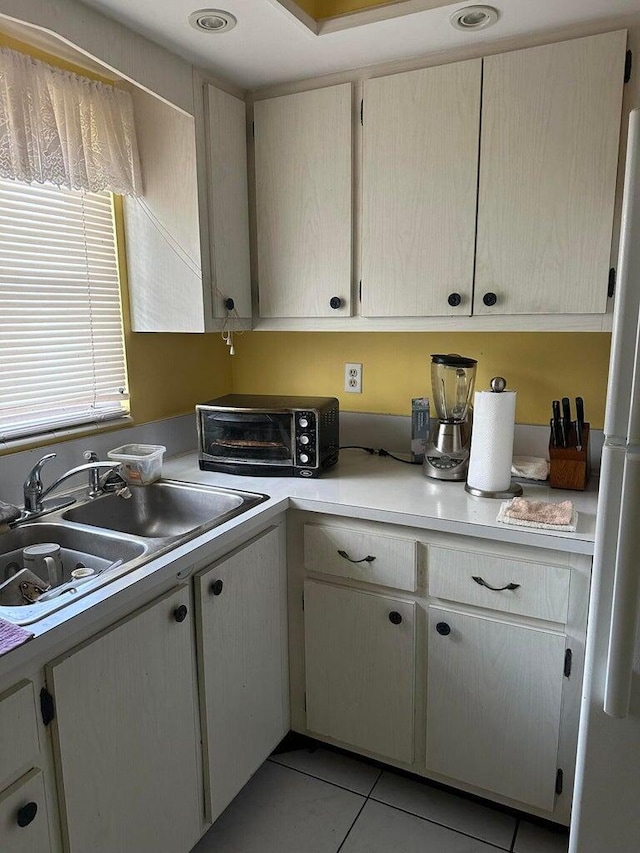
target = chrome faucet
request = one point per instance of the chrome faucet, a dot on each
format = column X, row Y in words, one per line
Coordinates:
column 35, row 493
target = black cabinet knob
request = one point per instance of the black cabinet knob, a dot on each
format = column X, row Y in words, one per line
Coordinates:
column 26, row 814
column 443, row 629
column 229, row 304
column 454, row 299
column 216, row 587
column 180, row 613
column 335, row 302
column 395, row 618
column 489, row 299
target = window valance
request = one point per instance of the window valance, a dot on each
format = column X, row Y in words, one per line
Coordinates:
column 58, row 127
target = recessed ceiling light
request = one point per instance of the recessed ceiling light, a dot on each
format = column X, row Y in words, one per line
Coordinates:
column 212, row 20
column 474, row 18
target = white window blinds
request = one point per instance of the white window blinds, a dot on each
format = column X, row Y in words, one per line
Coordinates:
column 62, row 358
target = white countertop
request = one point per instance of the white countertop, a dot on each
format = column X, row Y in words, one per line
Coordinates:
column 382, row 489
column 360, row 486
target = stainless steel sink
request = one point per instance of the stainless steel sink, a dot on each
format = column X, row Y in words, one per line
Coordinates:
column 164, row 510
column 114, row 535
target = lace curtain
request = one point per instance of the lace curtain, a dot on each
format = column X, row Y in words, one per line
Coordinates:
column 59, row 127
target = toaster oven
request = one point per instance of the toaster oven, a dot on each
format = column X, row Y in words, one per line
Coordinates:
column 264, row 435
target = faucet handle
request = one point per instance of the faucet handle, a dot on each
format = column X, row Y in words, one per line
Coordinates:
column 33, row 477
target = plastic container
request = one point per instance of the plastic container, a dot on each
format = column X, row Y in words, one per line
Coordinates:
column 141, row 463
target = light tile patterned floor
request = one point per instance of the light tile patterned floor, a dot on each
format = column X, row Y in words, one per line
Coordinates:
column 316, row 800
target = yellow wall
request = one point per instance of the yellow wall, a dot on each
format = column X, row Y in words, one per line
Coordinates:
column 396, row 367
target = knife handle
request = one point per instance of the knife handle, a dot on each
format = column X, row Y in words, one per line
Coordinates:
column 580, row 410
column 566, row 411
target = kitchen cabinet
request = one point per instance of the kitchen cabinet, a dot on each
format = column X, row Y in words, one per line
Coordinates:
column 419, row 185
column 304, row 203
column 125, row 735
column 187, row 237
column 494, row 695
column 548, row 160
column 454, row 658
column 243, row 664
column 23, row 816
column 359, row 652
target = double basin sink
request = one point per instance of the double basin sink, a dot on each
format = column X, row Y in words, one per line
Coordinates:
column 112, row 536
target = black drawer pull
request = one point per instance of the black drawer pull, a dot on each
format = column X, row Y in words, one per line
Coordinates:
column 483, row 582
column 443, row 629
column 216, row 587
column 345, row 556
column 180, row 613
column 490, row 299
column 395, row 618
column 26, row 814
column 454, row 299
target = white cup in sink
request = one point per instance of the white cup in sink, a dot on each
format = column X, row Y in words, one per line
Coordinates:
column 45, row 561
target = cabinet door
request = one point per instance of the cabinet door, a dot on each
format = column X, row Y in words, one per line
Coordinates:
column 228, row 201
column 493, row 705
column 420, row 169
column 303, row 202
column 242, row 631
column 548, row 160
column 23, row 816
column 164, row 263
column 125, row 736
column 360, row 660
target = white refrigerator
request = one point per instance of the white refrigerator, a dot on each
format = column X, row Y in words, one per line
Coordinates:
column 606, row 810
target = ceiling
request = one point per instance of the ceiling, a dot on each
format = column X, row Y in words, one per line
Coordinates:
column 270, row 45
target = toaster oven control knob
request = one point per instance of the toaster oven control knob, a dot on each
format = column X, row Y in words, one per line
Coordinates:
column 303, row 423
column 304, row 458
column 304, row 438
column 335, row 302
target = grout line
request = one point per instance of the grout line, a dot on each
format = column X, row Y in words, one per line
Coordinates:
column 377, row 779
column 320, row 779
column 355, row 820
column 446, row 826
column 515, row 835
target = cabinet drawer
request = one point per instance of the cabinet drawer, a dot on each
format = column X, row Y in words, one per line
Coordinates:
column 25, row 802
column 542, row 590
column 19, row 745
column 385, row 560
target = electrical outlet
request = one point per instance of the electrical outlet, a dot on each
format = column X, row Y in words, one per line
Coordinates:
column 353, row 378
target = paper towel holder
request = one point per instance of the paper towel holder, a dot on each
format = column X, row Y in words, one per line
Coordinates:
column 497, row 384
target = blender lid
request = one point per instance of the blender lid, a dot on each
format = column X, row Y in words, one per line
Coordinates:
column 453, row 360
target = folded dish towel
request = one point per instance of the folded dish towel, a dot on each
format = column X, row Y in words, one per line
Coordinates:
column 530, row 467
column 12, row 636
column 8, row 513
column 542, row 514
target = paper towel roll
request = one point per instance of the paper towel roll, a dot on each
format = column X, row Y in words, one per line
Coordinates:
column 494, row 416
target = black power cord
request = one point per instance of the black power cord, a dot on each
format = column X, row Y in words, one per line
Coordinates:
column 380, row 452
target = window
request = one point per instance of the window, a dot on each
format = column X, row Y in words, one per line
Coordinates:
column 62, row 360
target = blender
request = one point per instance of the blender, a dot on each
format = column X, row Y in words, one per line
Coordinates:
column 452, row 379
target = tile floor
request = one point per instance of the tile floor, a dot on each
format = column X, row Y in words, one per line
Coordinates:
column 316, row 800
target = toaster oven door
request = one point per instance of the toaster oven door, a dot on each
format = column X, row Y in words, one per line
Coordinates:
column 255, row 437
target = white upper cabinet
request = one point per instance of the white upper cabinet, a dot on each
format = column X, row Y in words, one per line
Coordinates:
column 187, row 237
column 420, row 168
column 304, row 203
column 228, row 201
column 548, row 159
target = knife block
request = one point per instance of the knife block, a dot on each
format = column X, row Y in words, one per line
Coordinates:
column 570, row 468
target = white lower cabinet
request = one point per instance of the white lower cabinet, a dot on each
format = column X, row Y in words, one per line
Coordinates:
column 23, row 816
column 360, row 662
column 243, row 667
column 469, row 675
column 125, row 735
column 494, row 696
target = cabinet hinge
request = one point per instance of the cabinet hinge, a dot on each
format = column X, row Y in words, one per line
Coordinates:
column 362, row 112
column 559, row 781
column 628, row 62
column 47, row 708
column 568, row 661
column 305, row 701
column 303, row 600
column 360, row 291
column 253, row 129
column 611, row 284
